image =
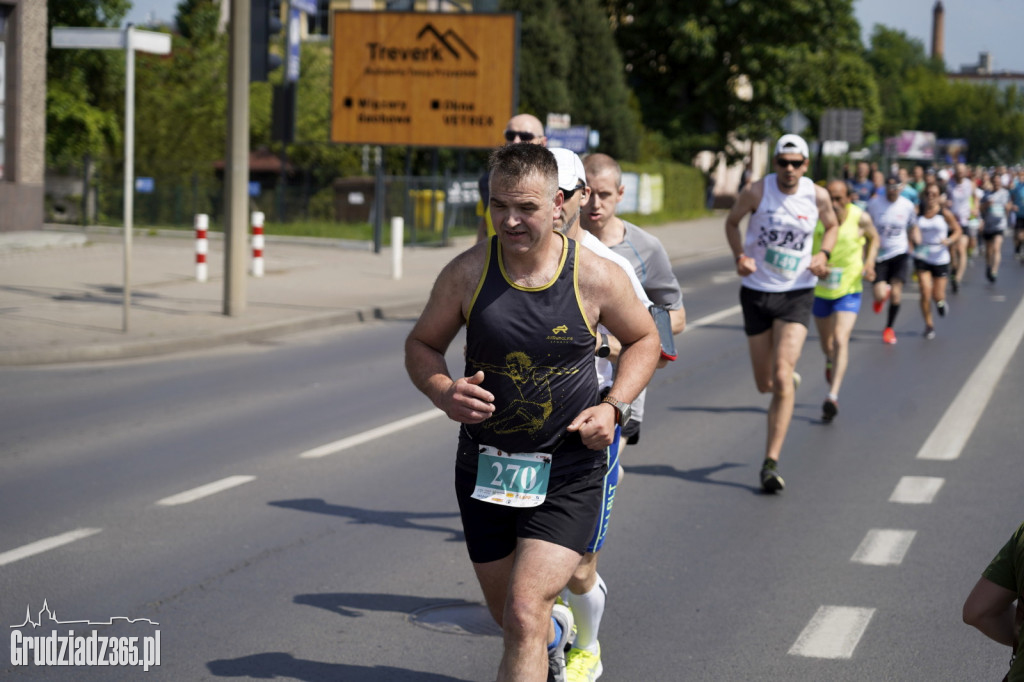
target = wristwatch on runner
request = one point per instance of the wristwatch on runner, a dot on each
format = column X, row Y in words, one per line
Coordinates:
column 622, row 410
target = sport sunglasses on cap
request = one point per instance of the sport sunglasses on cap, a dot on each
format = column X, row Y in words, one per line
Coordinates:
column 511, row 135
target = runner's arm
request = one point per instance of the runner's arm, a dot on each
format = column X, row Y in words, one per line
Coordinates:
column 827, row 216
column 463, row 400
column 746, row 204
column 870, row 234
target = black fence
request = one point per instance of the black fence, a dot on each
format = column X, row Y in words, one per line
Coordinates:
column 434, row 209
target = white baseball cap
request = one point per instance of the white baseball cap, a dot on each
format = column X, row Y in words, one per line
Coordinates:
column 570, row 168
column 792, row 144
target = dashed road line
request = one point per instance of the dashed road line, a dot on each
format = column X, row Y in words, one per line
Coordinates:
column 372, row 434
column 713, row 317
column 949, row 437
column 205, row 490
column 833, row 632
column 883, row 547
column 916, row 489
column 40, row 546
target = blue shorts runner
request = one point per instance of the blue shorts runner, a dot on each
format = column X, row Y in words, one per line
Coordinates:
column 823, row 307
column 611, row 483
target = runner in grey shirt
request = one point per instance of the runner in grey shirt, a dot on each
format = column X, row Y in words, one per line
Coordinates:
column 643, row 250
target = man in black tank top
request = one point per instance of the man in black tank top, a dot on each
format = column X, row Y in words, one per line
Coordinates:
column 532, row 445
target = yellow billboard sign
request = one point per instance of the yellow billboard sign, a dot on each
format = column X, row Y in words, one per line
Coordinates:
column 423, row 79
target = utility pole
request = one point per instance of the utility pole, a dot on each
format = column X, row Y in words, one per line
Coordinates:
column 236, row 226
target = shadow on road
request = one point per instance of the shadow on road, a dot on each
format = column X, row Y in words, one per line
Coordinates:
column 700, row 475
column 279, row 665
column 353, row 604
column 393, row 519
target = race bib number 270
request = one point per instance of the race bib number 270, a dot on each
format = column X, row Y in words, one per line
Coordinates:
column 514, row 479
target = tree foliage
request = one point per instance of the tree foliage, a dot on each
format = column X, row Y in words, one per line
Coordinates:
column 689, row 65
column 918, row 95
column 85, row 88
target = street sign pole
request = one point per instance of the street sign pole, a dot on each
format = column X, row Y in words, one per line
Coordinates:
column 129, row 170
column 129, row 39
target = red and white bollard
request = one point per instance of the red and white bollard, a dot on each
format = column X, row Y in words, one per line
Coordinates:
column 257, row 244
column 202, row 223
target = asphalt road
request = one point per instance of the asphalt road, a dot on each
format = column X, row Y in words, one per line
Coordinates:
column 350, row 565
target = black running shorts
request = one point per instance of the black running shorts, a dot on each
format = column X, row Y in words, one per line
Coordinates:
column 891, row 268
column 762, row 308
column 567, row 516
column 936, row 270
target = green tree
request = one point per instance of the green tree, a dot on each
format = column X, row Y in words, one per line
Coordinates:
column 544, row 58
column 688, row 65
column 900, row 64
column 85, row 88
column 597, row 86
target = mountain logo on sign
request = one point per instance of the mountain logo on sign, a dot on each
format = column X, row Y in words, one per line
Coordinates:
column 447, row 39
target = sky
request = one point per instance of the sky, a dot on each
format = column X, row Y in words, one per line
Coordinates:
column 971, row 26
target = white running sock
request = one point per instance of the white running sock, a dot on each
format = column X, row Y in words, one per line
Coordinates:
column 587, row 610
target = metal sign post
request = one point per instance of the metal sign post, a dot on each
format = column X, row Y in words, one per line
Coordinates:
column 129, row 39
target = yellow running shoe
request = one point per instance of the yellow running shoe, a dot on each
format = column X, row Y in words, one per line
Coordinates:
column 582, row 665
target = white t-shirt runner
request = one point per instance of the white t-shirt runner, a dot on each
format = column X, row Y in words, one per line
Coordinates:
column 780, row 234
column 892, row 219
column 933, row 231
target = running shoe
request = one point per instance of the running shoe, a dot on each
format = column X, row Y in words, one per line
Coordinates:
column 829, row 409
column 991, row 276
column 797, row 380
column 929, row 333
column 556, row 655
column 583, row 666
column 889, row 335
column 770, row 480
column 956, row 285
column 941, row 305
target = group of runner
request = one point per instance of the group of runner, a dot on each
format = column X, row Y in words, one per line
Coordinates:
column 558, row 286
column 537, row 466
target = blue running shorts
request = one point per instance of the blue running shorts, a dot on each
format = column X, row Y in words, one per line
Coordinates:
column 823, row 307
column 611, row 483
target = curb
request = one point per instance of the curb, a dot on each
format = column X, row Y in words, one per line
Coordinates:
column 186, row 344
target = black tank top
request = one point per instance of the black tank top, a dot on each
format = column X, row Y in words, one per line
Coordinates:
column 536, row 349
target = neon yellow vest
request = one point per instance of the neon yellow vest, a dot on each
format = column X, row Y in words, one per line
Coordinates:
column 847, row 261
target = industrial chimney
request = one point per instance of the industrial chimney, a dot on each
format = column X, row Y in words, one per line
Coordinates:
column 938, row 31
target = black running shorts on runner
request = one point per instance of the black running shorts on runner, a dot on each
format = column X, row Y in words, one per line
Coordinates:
column 566, row 517
column 891, row 268
column 936, row 270
column 762, row 308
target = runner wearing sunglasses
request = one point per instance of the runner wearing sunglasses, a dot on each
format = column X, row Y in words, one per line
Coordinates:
column 779, row 274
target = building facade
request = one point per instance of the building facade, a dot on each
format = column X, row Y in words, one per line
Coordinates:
column 22, row 113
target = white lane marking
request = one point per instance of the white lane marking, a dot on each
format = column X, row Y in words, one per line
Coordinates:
column 833, row 632
column 916, row 489
column 950, row 435
column 883, row 547
column 372, row 434
column 713, row 317
column 40, row 546
column 205, row 490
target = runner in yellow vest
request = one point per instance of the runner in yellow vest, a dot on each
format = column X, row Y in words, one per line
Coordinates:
column 837, row 297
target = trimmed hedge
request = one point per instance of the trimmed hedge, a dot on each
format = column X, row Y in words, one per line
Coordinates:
column 685, row 192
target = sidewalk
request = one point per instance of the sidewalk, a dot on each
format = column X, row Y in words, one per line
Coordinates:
column 61, row 292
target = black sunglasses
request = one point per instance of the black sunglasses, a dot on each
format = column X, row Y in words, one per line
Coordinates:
column 787, row 163
column 511, row 135
column 567, row 193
